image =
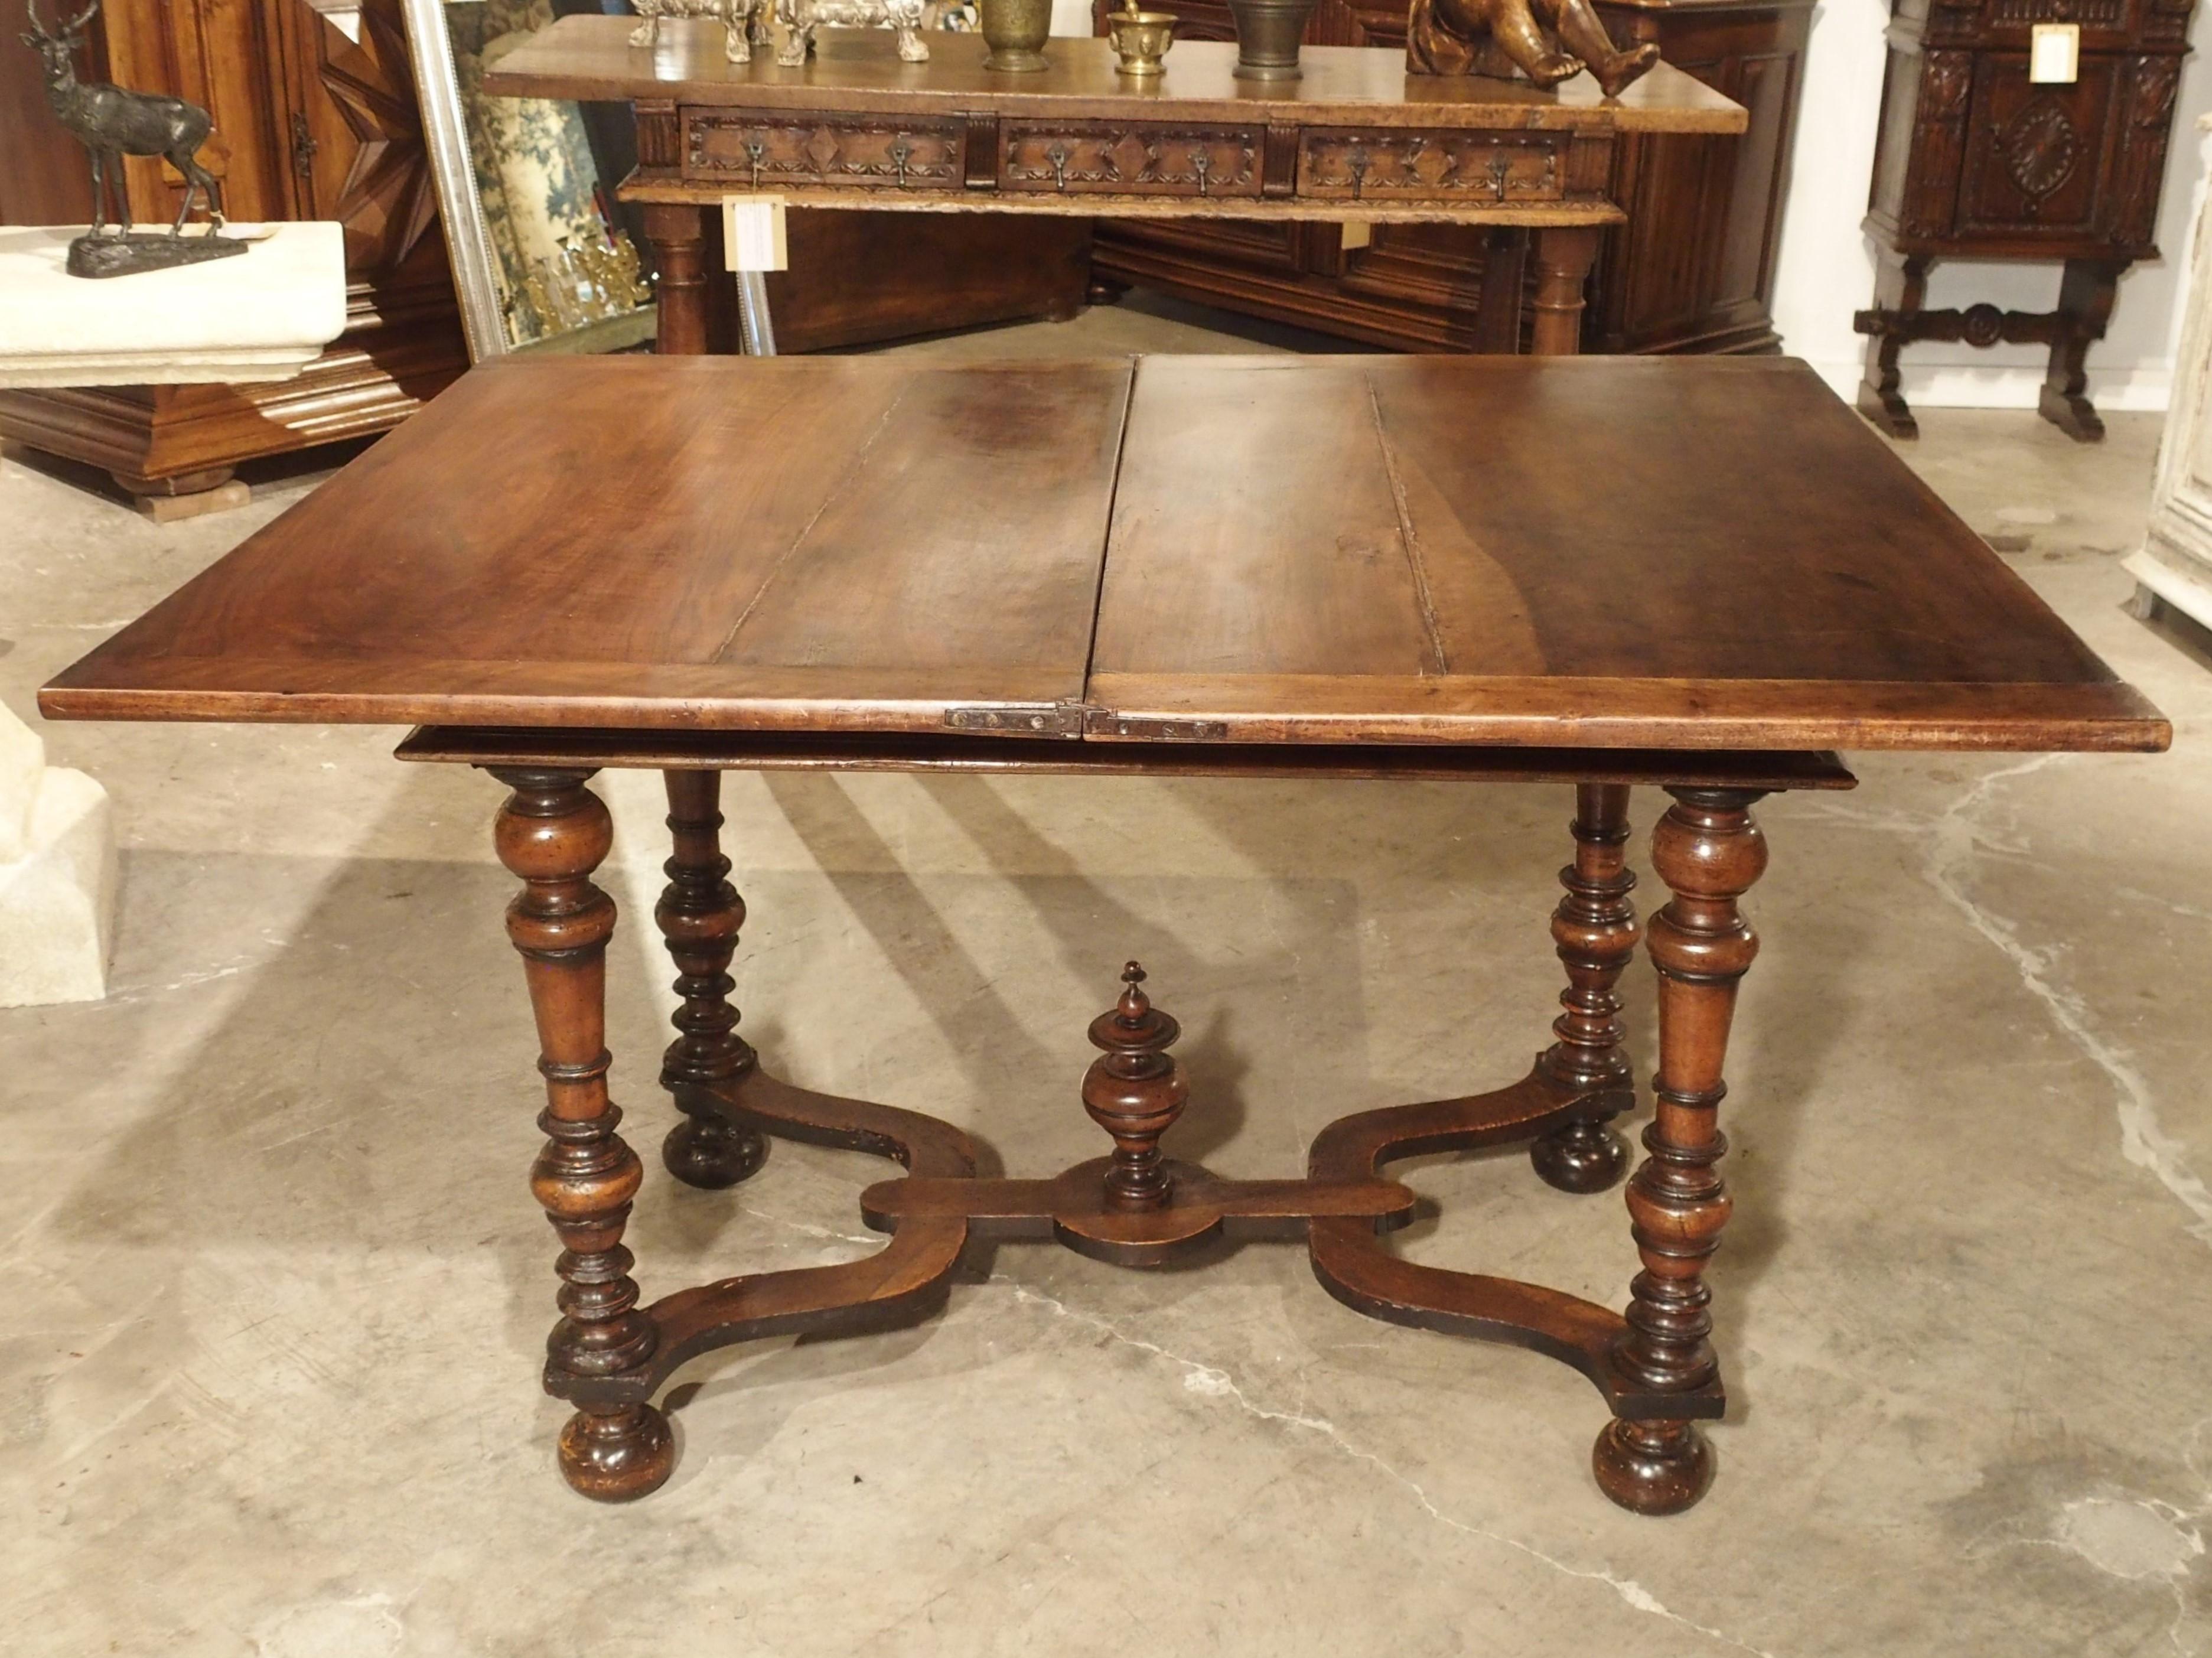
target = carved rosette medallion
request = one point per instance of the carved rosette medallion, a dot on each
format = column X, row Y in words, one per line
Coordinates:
column 2039, row 148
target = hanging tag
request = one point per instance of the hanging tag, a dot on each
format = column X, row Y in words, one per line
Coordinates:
column 2054, row 54
column 752, row 234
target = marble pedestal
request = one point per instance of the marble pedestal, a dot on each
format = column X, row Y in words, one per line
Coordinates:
column 262, row 315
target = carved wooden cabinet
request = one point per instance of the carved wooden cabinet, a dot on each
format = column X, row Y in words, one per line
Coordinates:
column 315, row 118
column 1977, row 160
column 1692, row 270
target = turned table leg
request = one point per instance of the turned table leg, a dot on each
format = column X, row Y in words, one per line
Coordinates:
column 699, row 916
column 1595, row 928
column 677, row 233
column 552, row 833
column 1564, row 254
column 1708, row 852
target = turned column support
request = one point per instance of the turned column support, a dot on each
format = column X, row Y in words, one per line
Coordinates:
column 1708, row 851
column 677, row 233
column 1564, row 254
column 699, row 915
column 1595, row 929
column 552, row 833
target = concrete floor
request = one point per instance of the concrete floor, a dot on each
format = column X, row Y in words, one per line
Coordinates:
column 276, row 1290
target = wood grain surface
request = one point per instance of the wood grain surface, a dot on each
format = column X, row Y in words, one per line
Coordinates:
column 591, row 57
column 1625, row 554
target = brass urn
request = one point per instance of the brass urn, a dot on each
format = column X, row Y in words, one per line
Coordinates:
column 1015, row 30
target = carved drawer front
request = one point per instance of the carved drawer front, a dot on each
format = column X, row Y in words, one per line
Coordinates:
column 868, row 152
column 1125, row 159
column 1452, row 166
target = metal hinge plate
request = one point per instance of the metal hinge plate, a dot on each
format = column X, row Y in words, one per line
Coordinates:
column 1021, row 719
column 1080, row 719
column 1104, row 722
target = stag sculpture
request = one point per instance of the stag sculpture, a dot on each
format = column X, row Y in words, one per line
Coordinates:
column 113, row 123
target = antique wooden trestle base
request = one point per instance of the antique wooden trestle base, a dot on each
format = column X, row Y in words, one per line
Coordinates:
column 1701, row 576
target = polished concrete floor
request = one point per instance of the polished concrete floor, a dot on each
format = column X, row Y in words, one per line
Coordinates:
column 277, row 1292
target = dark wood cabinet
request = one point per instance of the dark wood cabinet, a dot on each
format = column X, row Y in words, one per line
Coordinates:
column 1692, row 270
column 1977, row 159
column 315, row 118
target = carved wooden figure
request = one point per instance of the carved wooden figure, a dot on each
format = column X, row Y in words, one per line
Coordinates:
column 1548, row 41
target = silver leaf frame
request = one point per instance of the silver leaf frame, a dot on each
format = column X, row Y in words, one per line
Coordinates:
column 445, row 142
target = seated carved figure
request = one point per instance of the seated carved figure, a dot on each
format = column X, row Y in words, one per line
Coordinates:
column 1546, row 40
column 800, row 18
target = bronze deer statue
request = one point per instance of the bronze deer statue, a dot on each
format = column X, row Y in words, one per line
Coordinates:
column 112, row 122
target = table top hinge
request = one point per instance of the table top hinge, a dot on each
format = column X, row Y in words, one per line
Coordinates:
column 1022, row 719
column 1104, row 722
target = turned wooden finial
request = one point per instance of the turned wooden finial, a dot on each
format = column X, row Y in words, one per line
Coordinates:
column 1134, row 1092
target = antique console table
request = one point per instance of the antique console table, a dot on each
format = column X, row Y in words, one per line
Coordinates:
column 1698, row 575
column 1356, row 140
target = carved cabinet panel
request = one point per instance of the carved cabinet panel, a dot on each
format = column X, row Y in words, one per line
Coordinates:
column 865, row 151
column 1128, row 161
column 1976, row 159
column 2032, row 152
column 1383, row 166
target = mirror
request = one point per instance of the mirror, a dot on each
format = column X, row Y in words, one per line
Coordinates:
column 543, row 258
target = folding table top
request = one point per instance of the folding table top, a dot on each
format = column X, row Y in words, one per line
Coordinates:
column 1627, row 553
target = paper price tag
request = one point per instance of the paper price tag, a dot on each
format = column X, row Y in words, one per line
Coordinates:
column 752, row 234
column 2054, row 53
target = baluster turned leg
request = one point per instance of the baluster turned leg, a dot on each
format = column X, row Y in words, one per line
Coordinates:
column 1564, row 254
column 1594, row 927
column 677, row 232
column 1708, row 852
column 699, row 916
column 553, row 832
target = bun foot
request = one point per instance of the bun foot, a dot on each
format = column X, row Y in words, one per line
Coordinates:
column 711, row 1154
column 1652, row 1468
column 1582, row 1157
column 617, row 1458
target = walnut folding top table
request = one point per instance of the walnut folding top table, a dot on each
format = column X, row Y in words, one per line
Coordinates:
column 1702, row 574
column 1353, row 138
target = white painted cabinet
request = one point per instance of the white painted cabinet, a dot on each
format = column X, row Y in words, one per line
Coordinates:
column 2175, row 565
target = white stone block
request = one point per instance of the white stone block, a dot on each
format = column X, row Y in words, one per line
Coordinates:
column 57, row 876
column 22, row 758
column 58, row 900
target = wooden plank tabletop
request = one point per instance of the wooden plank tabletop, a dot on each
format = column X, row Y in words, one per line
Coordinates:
column 590, row 57
column 1605, row 553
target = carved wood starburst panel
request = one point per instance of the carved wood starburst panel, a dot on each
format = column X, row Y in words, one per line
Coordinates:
column 2039, row 148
